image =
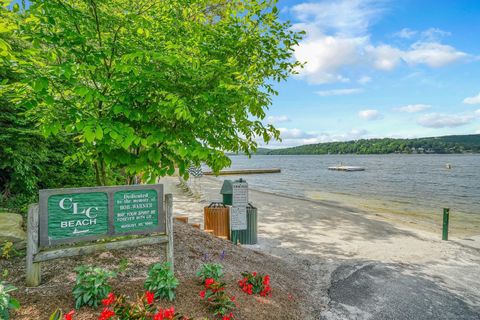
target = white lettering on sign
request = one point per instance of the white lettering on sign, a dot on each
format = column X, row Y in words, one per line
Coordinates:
column 238, row 214
column 77, row 223
column 74, row 206
column 91, row 213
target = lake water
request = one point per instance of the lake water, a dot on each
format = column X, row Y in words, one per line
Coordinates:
column 404, row 183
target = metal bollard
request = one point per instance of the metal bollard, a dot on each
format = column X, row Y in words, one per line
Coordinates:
column 446, row 215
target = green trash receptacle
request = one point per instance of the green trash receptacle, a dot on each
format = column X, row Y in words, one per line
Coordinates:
column 249, row 236
column 227, row 192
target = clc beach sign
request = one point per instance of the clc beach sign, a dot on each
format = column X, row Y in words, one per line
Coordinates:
column 67, row 216
column 72, row 215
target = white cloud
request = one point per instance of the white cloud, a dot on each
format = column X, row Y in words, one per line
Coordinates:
column 294, row 134
column 477, row 113
column 434, row 34
column 384, row 57
column 477, row 132
column 412, row 108
column 405, row 33
column 345, row 17
column 472, row 100
column 338, row 40
column 325, row 55
column 364, row 80
column 277, row 119
column 437, row 120
column 432, row 54
column 431, row 34
column 370, row 114
column 339, row 92
column 295, row 137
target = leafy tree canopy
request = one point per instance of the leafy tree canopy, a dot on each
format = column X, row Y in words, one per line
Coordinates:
column 146, row 86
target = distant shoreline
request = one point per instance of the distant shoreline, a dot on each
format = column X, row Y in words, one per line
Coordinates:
column 455, row 144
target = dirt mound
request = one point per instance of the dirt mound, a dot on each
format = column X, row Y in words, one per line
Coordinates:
column 192, row 248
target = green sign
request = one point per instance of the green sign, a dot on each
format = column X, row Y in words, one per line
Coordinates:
column 84, row 214
column 135, row 210
column 77, row 215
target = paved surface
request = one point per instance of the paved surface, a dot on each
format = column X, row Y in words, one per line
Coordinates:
column 357, row 265
column 392, row 291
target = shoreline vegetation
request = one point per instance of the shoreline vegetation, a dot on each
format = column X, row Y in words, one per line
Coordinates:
column 454, row 144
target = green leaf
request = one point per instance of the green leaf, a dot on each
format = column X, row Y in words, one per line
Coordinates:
column 40, row 84
column 99, row 133
column 56, row 315
column 89, row 134
column 14, row 304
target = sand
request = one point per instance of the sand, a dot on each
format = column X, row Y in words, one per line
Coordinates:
column 332, row 241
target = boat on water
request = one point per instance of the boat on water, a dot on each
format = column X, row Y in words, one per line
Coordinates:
column 346, row 168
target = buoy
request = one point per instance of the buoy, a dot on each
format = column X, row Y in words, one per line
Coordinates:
column 448, row 166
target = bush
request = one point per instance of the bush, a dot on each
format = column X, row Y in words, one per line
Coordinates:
column 143, row 308
column 210, row 271
column 219, row 301
column 6, row 301
column 91, row 286
column 161, row 281
column 253, row 283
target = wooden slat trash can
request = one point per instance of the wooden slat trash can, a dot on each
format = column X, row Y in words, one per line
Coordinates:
column 217, row 218
column 249, row 236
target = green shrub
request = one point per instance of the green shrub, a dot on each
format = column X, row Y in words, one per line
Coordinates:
column 161, row 281
column 91, row 286
column 6, row 301
column 210, row 271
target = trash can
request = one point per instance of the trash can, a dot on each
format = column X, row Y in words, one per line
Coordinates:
column 227, row 192
column 249, row 236
column 216, row 217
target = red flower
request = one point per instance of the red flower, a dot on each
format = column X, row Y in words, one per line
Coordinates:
column 106, row 314
column 108, row 300
column 202, row 294
column 254, row 274
column 229, row 317
column 232, row 298
column 266, row 280
column 150, row 296
column 167, row 314
column 209, row 282
column 69, row 316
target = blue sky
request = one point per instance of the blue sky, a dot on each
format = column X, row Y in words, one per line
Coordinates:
column 381, row 68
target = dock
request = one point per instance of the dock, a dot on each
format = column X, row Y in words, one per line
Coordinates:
column 243, row 171
column 346, row 168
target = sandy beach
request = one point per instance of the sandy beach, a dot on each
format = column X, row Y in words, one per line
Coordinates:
column 358, row 264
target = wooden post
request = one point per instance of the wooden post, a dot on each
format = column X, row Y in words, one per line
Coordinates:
column 33, row 268
column 169, row 227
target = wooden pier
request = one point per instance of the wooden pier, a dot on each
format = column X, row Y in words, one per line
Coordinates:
column 243, row 171
column 346, row 168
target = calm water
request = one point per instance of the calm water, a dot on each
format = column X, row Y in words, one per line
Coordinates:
column 408, row 182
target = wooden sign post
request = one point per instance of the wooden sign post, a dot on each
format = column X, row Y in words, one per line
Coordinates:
column 68, row 216
column 238, row 212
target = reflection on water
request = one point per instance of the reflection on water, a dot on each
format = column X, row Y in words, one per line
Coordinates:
column 406, row 182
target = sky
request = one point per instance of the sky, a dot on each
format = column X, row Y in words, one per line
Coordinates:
column 380, row 68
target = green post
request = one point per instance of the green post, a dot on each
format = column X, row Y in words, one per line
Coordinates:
column 234, row 237
column 446, row 214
